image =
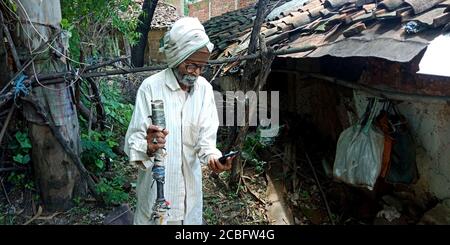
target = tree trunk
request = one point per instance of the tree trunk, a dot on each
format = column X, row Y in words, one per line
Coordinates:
column 145, row 20
column 254, row 74
column 57, row 176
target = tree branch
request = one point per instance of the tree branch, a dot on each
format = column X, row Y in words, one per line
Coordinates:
column 145, row 21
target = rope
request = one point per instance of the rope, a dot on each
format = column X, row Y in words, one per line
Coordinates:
column 20, row 87
column 158, row 173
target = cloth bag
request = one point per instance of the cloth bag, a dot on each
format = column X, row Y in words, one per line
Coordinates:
column 402, row 167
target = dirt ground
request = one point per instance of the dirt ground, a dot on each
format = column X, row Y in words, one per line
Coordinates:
column 223, row 205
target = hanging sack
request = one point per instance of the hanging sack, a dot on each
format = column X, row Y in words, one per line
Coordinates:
column 382, row 122
column 403, row 167
column 359, row 151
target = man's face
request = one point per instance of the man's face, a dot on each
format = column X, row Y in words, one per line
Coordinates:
column 192, row 67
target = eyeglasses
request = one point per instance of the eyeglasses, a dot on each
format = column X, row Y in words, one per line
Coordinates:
column 191, row 67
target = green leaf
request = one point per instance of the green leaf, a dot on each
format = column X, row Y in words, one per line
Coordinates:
column 99, row 163
column 26, row 159
column 23, row 140
column 65, row 24
column 18, row 158
column 22, row 159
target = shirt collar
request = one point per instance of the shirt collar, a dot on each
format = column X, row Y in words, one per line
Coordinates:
column 172, row 82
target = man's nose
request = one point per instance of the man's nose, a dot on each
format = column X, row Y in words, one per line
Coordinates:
column 197, row 71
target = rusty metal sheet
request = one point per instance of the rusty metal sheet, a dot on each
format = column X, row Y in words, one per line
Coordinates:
column 386, row 41
column 389, row 49
column 420, row 6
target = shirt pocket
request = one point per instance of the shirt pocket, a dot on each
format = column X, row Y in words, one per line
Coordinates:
column 190, row 133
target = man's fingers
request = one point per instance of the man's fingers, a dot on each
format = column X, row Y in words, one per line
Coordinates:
column 219, row 165
column 154, row 129
column 212, row 165
column 228, row 163
column 159, row 135
column 165, row 131
column 161, row 140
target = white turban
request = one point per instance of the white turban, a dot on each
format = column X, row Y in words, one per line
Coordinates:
column 186, row 36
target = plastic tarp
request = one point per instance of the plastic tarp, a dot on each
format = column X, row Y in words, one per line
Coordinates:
column 435, row 59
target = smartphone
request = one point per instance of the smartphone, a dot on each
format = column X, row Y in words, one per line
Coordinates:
column 223, row 158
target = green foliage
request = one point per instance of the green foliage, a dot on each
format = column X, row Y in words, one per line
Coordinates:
column 210, row 215
column 115, row 106
column 92, row 22
column 252, row 145
column 7, row 216
column 21, row 148
column 21, row 180
column 22, row 159
column 112, row 191
column 23, row 140
column 96, row 151
column 98, row 145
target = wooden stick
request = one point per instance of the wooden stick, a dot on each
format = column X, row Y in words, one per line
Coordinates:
column 4, row 190
column 10, row 169
column 320, row 189
column 255, row 195
column 5, row 125
column 39, row 212
column 10, row 42
column 57, row 77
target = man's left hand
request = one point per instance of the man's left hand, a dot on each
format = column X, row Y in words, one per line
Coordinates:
column 216, row 166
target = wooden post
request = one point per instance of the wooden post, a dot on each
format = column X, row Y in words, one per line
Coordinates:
column 56, row 173
column 250, row 82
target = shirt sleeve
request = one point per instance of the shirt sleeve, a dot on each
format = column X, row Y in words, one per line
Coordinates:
column 135, row 138
column 209, row 123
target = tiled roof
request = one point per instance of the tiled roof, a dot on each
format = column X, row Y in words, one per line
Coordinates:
column 226, row 29
column 165, row 14
column 392, row 29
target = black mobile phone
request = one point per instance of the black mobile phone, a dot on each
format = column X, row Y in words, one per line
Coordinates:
column 223, row 158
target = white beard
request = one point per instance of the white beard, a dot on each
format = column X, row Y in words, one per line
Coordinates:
column 188, row 80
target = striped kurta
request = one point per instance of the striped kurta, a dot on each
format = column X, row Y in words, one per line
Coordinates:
column 192, row 122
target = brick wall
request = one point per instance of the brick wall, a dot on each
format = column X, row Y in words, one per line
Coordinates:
column 200, row 10
column 152, row 54
column 246, row 3
column 218, row 7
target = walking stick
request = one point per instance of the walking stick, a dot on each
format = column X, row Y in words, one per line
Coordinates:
column 161, row 206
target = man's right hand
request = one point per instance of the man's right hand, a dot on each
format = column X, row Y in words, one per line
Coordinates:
column 156, row 138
